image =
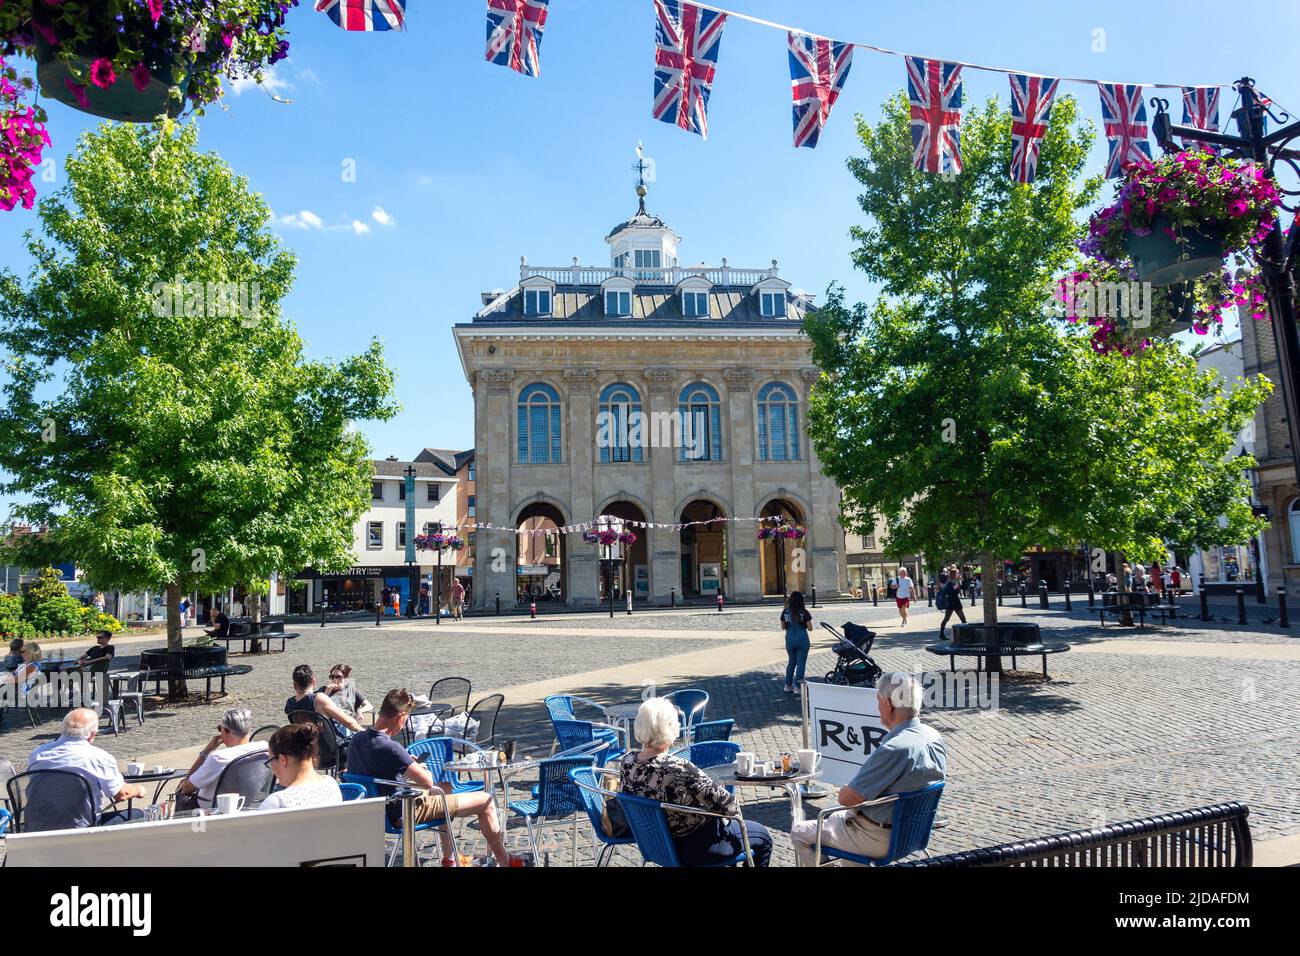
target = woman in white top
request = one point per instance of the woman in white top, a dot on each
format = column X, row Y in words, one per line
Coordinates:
column 903, row 594
column 293, row 761
column 26, row 673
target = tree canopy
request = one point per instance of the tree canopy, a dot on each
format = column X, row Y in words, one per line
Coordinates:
column 161, row 417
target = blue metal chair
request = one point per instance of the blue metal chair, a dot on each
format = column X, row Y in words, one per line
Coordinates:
column 560, row 707
column 572, row 735
column 352, row 791
column 593, row 801
column 710, row 753
column 711, row 730
column 394, row 829
column 691, row 703
column 556, row 799
column 910, row 827
column 654, row 839
column 5, row 817
column 437, row 752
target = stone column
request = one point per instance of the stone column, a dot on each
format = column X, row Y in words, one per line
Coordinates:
column 743, row 570
column 827, row 571
column 580, row 449
column 664, row 546
column 494, row 552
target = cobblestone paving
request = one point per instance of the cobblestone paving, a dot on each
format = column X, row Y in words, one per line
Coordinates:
column 1112, row 735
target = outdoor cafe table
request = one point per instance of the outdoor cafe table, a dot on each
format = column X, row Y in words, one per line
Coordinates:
column 726, row 775
column 502, row 771
column 161, row 779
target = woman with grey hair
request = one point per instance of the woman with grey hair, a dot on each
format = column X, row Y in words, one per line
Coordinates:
column 655, row 774
column 230, row 743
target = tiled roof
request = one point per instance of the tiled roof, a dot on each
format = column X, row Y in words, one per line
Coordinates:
column 397, row 469
column 449, row 461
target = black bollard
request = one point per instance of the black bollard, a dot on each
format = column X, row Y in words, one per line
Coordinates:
column 719, row 603
column 929, row 600
column 1205, row 603
column 1042, row 596
column 672, row 597
column 1022, row 595
column 1241, row 605
column 322, row 613
column 814, row 594
column 498, row 604
column 1282, row 619
column 972, row 597
column 999, row 595
column 1091, row 597
column 379, row 614
column 1261, row 597
column 1067, row 597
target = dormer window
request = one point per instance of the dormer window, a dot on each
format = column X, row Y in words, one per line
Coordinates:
column 695, row 305
column 618, row 304
column 537, row 302
column 772, row 305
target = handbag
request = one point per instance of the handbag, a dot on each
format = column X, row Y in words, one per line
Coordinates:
column 941, row 599
column 612, row 818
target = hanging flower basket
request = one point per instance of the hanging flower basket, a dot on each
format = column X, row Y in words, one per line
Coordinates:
column 136, row 60
column 1178, row 217
column 22, row 140
column 438, row 541
column 786, row 532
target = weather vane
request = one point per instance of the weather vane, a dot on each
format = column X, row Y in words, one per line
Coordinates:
column 641, row 166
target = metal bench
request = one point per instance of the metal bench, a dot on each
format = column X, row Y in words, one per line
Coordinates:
column 1141, row 602
column 243, row 632
column 1217, row 836
column 207, row 674
column 1014, row 640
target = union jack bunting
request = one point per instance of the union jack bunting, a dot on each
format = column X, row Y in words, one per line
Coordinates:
column 687, row 38
column 1125, row 117
column 367, row 15
column 934, row 89
column 1031, row 107
column 1201, row 109
column 514, row 34
column 818, row 69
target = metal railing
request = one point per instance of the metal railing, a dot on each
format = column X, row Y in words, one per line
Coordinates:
column 577, row 274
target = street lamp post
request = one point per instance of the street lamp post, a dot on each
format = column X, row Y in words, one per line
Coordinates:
column 1278, row 264
column 437, row 585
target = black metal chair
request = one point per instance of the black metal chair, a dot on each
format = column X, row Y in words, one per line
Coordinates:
column 332, row 758
column 249, row 776
column 267, row 729
column 452, row 691
column 51, row 800
column 485, row 711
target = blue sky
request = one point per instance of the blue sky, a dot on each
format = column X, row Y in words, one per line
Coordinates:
column 474, row 166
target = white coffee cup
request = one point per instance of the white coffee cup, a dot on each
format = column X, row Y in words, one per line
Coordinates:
column 134, row 769
column 808, row 761
column 230, row 802
column 160, row 769
column 744, row 763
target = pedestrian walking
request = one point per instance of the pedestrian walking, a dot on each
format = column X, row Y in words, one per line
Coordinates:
column 948, row 600
column 903, row 594
column 795, row 621
column 457, row 598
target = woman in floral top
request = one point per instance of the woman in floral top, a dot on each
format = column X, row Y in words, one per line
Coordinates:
column 654, row 773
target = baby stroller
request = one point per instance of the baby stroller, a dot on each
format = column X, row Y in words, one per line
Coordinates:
column 853, row 665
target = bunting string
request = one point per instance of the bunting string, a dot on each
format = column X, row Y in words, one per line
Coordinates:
column 602, row 523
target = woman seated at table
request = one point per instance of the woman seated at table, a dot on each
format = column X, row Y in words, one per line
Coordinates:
column 26, row 673
column 344, row 693
column 306, row 698
column 293, row 761
column 653, row 773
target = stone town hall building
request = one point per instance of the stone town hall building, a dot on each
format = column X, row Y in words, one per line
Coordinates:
column 563, row 363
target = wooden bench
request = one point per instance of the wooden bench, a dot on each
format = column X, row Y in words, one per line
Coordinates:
column 1214, row 836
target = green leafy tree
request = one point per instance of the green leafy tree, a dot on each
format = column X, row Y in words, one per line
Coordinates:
column 161, row 416
column 955, row 407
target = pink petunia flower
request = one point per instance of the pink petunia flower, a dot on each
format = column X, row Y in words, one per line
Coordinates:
column 141, row 76
column 78, row 90
column 101, row 73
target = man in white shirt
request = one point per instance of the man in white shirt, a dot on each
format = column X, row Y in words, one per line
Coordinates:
column 230, row 743
column 903, row 594
column 49, row 804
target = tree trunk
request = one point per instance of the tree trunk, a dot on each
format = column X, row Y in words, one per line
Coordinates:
column 992, row 661
column 175, row 642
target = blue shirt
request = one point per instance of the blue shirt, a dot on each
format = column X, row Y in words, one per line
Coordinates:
column 910, row 757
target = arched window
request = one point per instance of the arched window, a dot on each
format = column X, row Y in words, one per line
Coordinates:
column 701, row 425
column 1293, row 519
column 778, row 423
column 619, row 425
column 539, row 425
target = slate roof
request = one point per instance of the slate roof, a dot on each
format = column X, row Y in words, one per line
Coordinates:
column 659, row 305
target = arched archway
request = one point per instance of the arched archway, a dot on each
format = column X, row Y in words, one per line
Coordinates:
column 703, row 550
column 783, row 563
column 634, row 556
column 541, row 554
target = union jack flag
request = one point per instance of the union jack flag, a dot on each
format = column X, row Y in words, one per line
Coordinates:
column 514, row 34
column 1125, row 117
column 934, row 89
column 687, row 38
column 1031, row 107
column 1201, row 109
column 818, row 69
column 367, row 15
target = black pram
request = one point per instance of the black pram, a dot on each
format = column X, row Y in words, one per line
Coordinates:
column 853, row 664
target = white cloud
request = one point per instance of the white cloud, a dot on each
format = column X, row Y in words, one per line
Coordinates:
column 309, row 75
column 359, row 227
column 272, row 82
column 381, row 216
column 306, row 219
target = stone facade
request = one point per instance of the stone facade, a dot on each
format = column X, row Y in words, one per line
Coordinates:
column 586, row 342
